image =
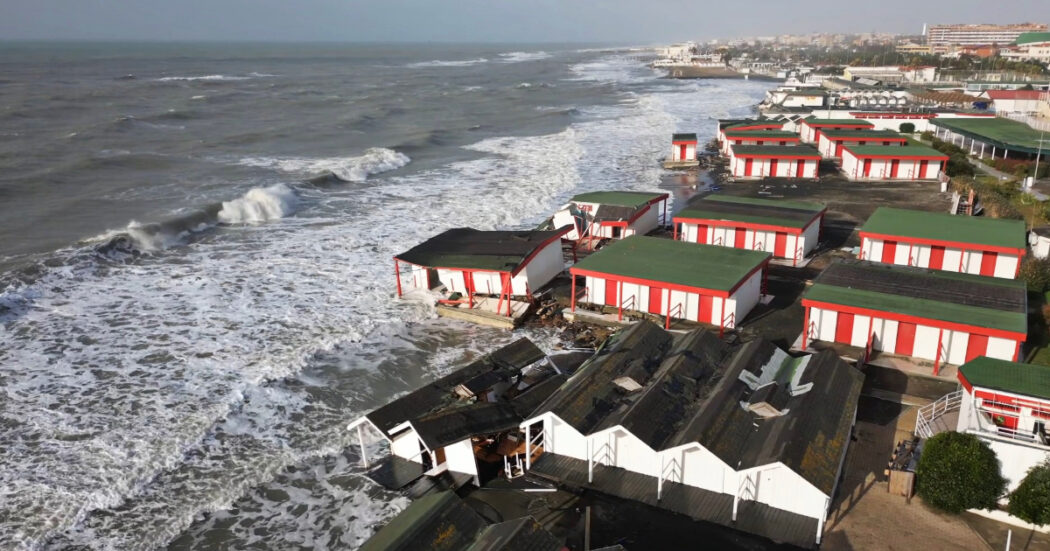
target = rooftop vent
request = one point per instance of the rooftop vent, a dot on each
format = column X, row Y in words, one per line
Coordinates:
column 765, row 402
column 627, row 384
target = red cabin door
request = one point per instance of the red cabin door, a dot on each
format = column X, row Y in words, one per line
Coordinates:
column 905, row 338
column 749, row 164
column 681, row 152
column 895, row 167
column 610, row 293
column 976, row 346
column 773, row 167
column 844, row 328
column 780, row 245
column 656, row 300
column 988, row 263
column 738, row 239
column 867, row 167
column 889, row 251
column 707, row 307
column 701, row 234
column 800, row 169
column 922, row 169
column 838, row 149
column 936, row 257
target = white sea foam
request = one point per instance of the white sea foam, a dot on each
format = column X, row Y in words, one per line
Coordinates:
column 518, row 57
column 453, row 63
column 206, row 78
column 259, row 205
column 353, row 169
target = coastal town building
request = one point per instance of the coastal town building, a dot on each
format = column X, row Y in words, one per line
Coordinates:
column 483, row 269
column 940, row 241
column 787, row 229
column 892, row 120
column 979, row 34
column 928, row 314
column 1015, row 102
column 747, row 437
column 831, row 142
column 754, row 162
column 811, row 128
column 887, row 162
column 601, row 215
column 735, row 136
column 673, row 279
column 990, row 136
column 809, row 97
column 683, row 151
column 1033, row 46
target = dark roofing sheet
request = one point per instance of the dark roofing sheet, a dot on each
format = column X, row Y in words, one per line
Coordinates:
column 476, row 249
column 683, row 137
column 523, row 534
column 614, row 213
column 437, row 522
column 426, row 399
column 458, row 423
column 787, row 214
column 590, row 394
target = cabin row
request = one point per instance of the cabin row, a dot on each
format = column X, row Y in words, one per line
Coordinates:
column 745, row 436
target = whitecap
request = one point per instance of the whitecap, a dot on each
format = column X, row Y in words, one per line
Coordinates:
column 518, row 57
column 352, row 169
column 440, row 63
column 259, row 205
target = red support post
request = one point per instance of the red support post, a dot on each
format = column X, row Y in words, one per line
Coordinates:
column 937, row 362
column 805, row 328
column 667, row 311
column 619, row 300
column 397, row 272
column 572, row 301
column 1017, row 352
column 510, row 291
column 722, row 318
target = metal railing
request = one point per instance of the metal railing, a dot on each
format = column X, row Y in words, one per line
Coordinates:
column 930, row 412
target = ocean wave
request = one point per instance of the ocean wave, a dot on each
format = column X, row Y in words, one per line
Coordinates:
column 517, row 57
column 259, row 205
column 440, row 63
column 351, row 169
column 204, row 78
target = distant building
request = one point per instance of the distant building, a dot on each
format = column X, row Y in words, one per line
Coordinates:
column 979, row 34
column 1030, row 46
column 928, row 314
column 886, row 75
column 941, row 241
column 1015, row 102
column 788, row 229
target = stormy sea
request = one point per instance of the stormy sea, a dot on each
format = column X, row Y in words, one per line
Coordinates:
column 196, row 280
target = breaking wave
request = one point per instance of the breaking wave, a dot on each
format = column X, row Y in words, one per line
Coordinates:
column 517, row 57
column 259, row 205
column 440, row 63
column 205, row 78
column 351, row 169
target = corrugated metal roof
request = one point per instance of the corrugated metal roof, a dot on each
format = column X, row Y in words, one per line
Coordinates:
column 437, row 522
column 894, row 151
column 502, row 251
column 773, row 212
column 633, row 199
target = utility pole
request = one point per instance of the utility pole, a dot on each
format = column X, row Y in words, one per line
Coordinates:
column 1038, row 155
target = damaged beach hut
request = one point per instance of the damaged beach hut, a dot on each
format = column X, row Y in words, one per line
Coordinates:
column 746, row 437
column 673, row 279
column 600, row 215
column 788, row 229
column 483, row 275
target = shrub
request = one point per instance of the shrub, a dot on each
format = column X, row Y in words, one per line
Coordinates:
column 1035, row 272
column 1031, row 500
column 959, row 165
column 957, row 472
column 907, row 128
column 927, row 136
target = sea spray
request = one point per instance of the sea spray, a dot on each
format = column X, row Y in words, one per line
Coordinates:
column 259, row 205
column 375, row 160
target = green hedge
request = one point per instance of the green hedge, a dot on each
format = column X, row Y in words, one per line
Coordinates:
column 1031, row 500
column 957, row 472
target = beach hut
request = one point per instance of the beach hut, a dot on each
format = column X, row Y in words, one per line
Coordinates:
column 754, row 162
column 612, row 214
column 674, row 279
column 928, row 314
column 810, row 128
column 743, row 125
column 883, row 163
column 757, row 137
column 832, row 142
column 941, row 241
column 747, row 437
column 469, row 262
column 788, row 229
column 683, row 151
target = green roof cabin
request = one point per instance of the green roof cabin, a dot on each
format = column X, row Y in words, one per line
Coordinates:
column 941, row 241
column 735, row 136
column 788, row 229
column 888, row 162
column 810, row 129
column 832, row 142
column 933, row 315
column 754, row 162
column 674, row 279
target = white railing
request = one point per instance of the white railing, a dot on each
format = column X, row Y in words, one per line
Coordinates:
column 930, row 412
column 1035, row 123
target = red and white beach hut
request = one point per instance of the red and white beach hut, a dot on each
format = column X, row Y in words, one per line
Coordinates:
column 832, row 142
column 754, row 162
column 941, row 241
column 811, row 128
column 757, row 137
column 882, row 162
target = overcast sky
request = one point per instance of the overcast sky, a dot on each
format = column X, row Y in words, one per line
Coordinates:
column 619, row 21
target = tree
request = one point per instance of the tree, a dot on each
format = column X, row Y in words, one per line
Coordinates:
column 907, row 128
column 1031, row 500
column 1035, row 272
column 957, row 472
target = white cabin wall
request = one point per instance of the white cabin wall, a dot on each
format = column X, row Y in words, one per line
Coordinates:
column 952, row 258
column 782, row 488
column 926, row 339
column 620, row 448
column 811, row 236
column 1006, row 266
column 543, row 267
column 635, row 297
column 460, row 458
column 406, row 445
column 700, row 468
column 561, row 438
column 453, row 280
column 1001, row 348
column 595, row 290
column 746, row 297
column 645, row 223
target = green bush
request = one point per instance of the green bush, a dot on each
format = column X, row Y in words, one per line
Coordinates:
column 1035, row 272
column 907, row 128
column 1031, row 500
column 957, row 472
column 927, row 136
column 959, row 165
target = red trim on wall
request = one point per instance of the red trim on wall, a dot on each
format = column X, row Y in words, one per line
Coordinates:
column 751, row 226
column 648, row 282
column 882, row 314
column 968, row 247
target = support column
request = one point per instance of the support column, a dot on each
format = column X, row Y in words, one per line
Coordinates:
column 397, row 272
column 361, row 441
column 667, row 310
column 528, row 446
column 937, row 362
column 660, row 479
column 805, row 327
column 982, row 150
column 619, row 300
column 590, row 461
column 572, row 301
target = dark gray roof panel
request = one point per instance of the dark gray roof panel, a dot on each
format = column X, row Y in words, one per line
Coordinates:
column 458, row 423
column 523, row 534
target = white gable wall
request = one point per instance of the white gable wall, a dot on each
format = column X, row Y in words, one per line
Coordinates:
column 406, row 445
column 783, row 488
column 460, row 458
